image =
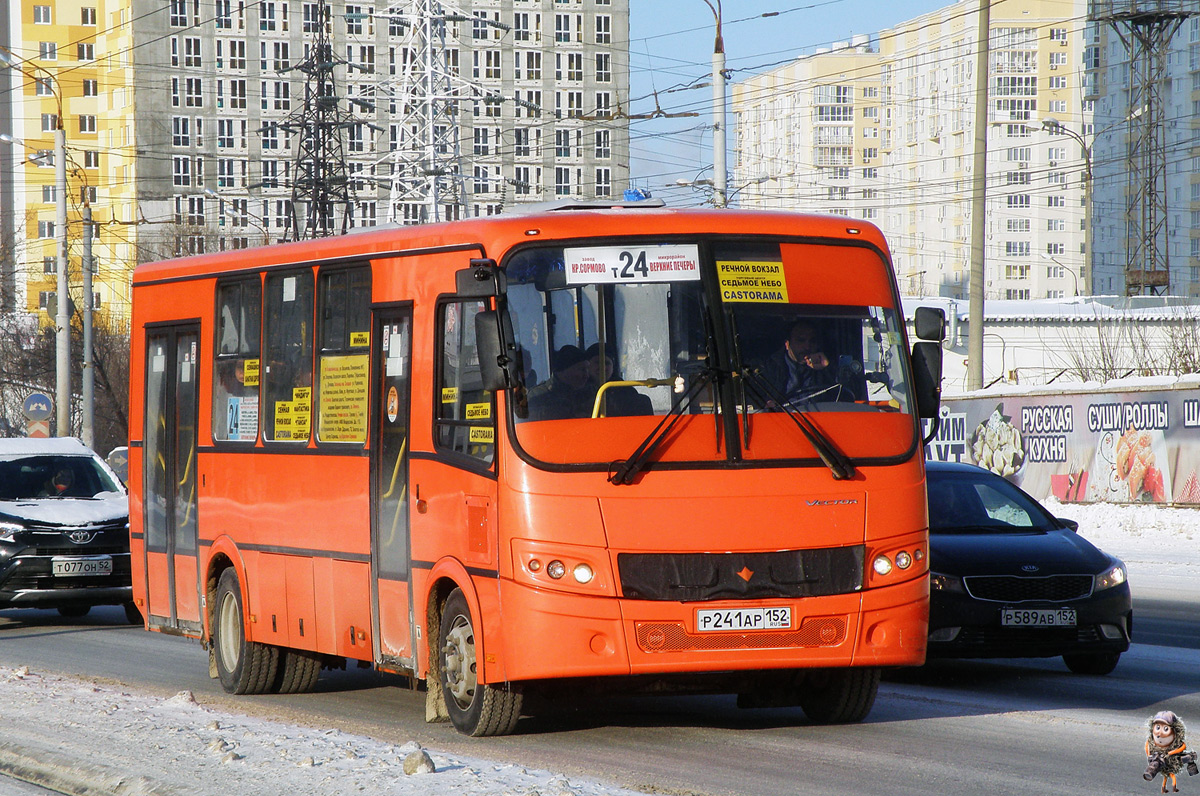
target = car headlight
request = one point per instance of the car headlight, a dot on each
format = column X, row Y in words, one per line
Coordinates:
column 1113, row 576
column 8, row 531
column 945, row 583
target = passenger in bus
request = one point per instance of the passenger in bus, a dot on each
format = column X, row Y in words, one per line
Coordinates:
column 622, row 401
column 568, row 392
column 800, row 370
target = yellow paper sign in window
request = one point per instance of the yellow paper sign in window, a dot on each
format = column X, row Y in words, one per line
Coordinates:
column 478, row 411
column 449, row 395
column 360, row 339
column 343, row 398
column 250, row 369
column 752, row 281
column 482, row 435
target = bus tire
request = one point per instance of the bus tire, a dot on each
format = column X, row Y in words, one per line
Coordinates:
column 476, row 709
column 244, row 667
column 298, row 672
column 839, row 696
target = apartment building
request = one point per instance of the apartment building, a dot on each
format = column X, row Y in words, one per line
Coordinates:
column 923, row 185
column 808, row 134
column 69, row 62
column 182, row 117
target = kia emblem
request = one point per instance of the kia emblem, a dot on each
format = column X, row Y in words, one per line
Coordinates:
column 1029, row 567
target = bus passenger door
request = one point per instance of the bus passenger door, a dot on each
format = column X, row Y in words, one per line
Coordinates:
column 391, row 595
column 171, row 530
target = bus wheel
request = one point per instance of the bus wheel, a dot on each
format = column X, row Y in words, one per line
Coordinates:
column 475, row 708
column 839, row 696
column 244, row 667
column 298, row 671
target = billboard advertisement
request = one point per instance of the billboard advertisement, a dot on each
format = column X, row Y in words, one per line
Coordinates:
column 1139, row 446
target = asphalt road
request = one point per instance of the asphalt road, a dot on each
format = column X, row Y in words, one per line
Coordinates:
column 1014, row 727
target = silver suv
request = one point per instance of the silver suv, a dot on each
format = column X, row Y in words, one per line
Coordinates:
column 64, row 529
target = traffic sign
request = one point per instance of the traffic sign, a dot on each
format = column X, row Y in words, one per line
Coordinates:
column 38, row 406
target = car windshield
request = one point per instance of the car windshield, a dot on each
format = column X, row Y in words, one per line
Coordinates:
column 621, row 338
column 51, row 476
column 970, row 503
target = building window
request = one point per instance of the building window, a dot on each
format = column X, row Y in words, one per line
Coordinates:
column 87, row 123
column 603, row 144
column 181, row 131
column 181, row 170
column 85, row 52
column 91, row 88
column 1056, row 248
column 193, row 92
column 603, row 29
column 48, row 51
column 49, row 122
column 50, row 265
column 45, row 229
column 562, row 181
column 42, row 15
column 603, row 182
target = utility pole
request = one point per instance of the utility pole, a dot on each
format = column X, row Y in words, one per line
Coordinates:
column 322, row 182
column 979, row 204
column 720, row 189
column 1146, row 29
column 62, row 314
column 89, row 372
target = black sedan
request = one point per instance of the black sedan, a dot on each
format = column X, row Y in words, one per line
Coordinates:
column 64, row 529
column 1009, row 580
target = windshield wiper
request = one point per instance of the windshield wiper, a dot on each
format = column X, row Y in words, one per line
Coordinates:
column 625, row 472
column 837, row 462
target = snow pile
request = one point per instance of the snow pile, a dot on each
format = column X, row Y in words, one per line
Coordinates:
column 137, row 745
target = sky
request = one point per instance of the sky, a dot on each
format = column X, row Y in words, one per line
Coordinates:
column 671, row 45
column 54, row 725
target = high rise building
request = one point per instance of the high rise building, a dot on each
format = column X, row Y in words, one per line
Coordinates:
column 180, row 118
column 921, row 185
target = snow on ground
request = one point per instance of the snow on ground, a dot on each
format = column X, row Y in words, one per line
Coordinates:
column 55, row 725
column 67, row 732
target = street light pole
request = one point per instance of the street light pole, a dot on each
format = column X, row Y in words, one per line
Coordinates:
column 1054, row 126
column 720, row 194
column 62, row 315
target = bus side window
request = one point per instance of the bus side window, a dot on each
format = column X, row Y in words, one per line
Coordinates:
column 236, row 365
column 288, row 366
column 343, row 372
column 465, row 418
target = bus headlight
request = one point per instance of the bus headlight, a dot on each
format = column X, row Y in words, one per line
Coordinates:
column 583, row 573
column 556, row 569
column 564, row 567
column 882, row 565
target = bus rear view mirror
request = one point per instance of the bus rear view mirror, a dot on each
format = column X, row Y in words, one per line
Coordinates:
column 483, row 279
column 498, row 359
column 927, row 378
column 930, row 323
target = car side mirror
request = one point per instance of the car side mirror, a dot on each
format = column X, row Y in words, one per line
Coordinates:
column 930, row 323
column 483, row 279
column 927, row 378
column 1070, row 525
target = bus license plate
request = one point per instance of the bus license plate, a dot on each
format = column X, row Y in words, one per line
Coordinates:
column 710, row 620
column 71, row 567
column 1038, row 617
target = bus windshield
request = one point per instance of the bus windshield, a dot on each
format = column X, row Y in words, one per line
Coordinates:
column 615, row 339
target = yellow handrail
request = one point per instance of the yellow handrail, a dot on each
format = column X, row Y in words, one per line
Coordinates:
column 668, row 382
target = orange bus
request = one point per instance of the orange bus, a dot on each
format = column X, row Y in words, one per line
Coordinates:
column 627, row 448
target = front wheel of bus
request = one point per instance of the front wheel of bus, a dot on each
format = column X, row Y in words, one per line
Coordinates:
column 839, row 696
column 475, row 708
column 244, row 667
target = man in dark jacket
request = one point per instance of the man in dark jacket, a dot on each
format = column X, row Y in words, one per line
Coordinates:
column 800, row 370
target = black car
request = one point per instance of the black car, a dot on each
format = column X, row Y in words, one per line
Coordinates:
column 1009, row 580
column 64, row 529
